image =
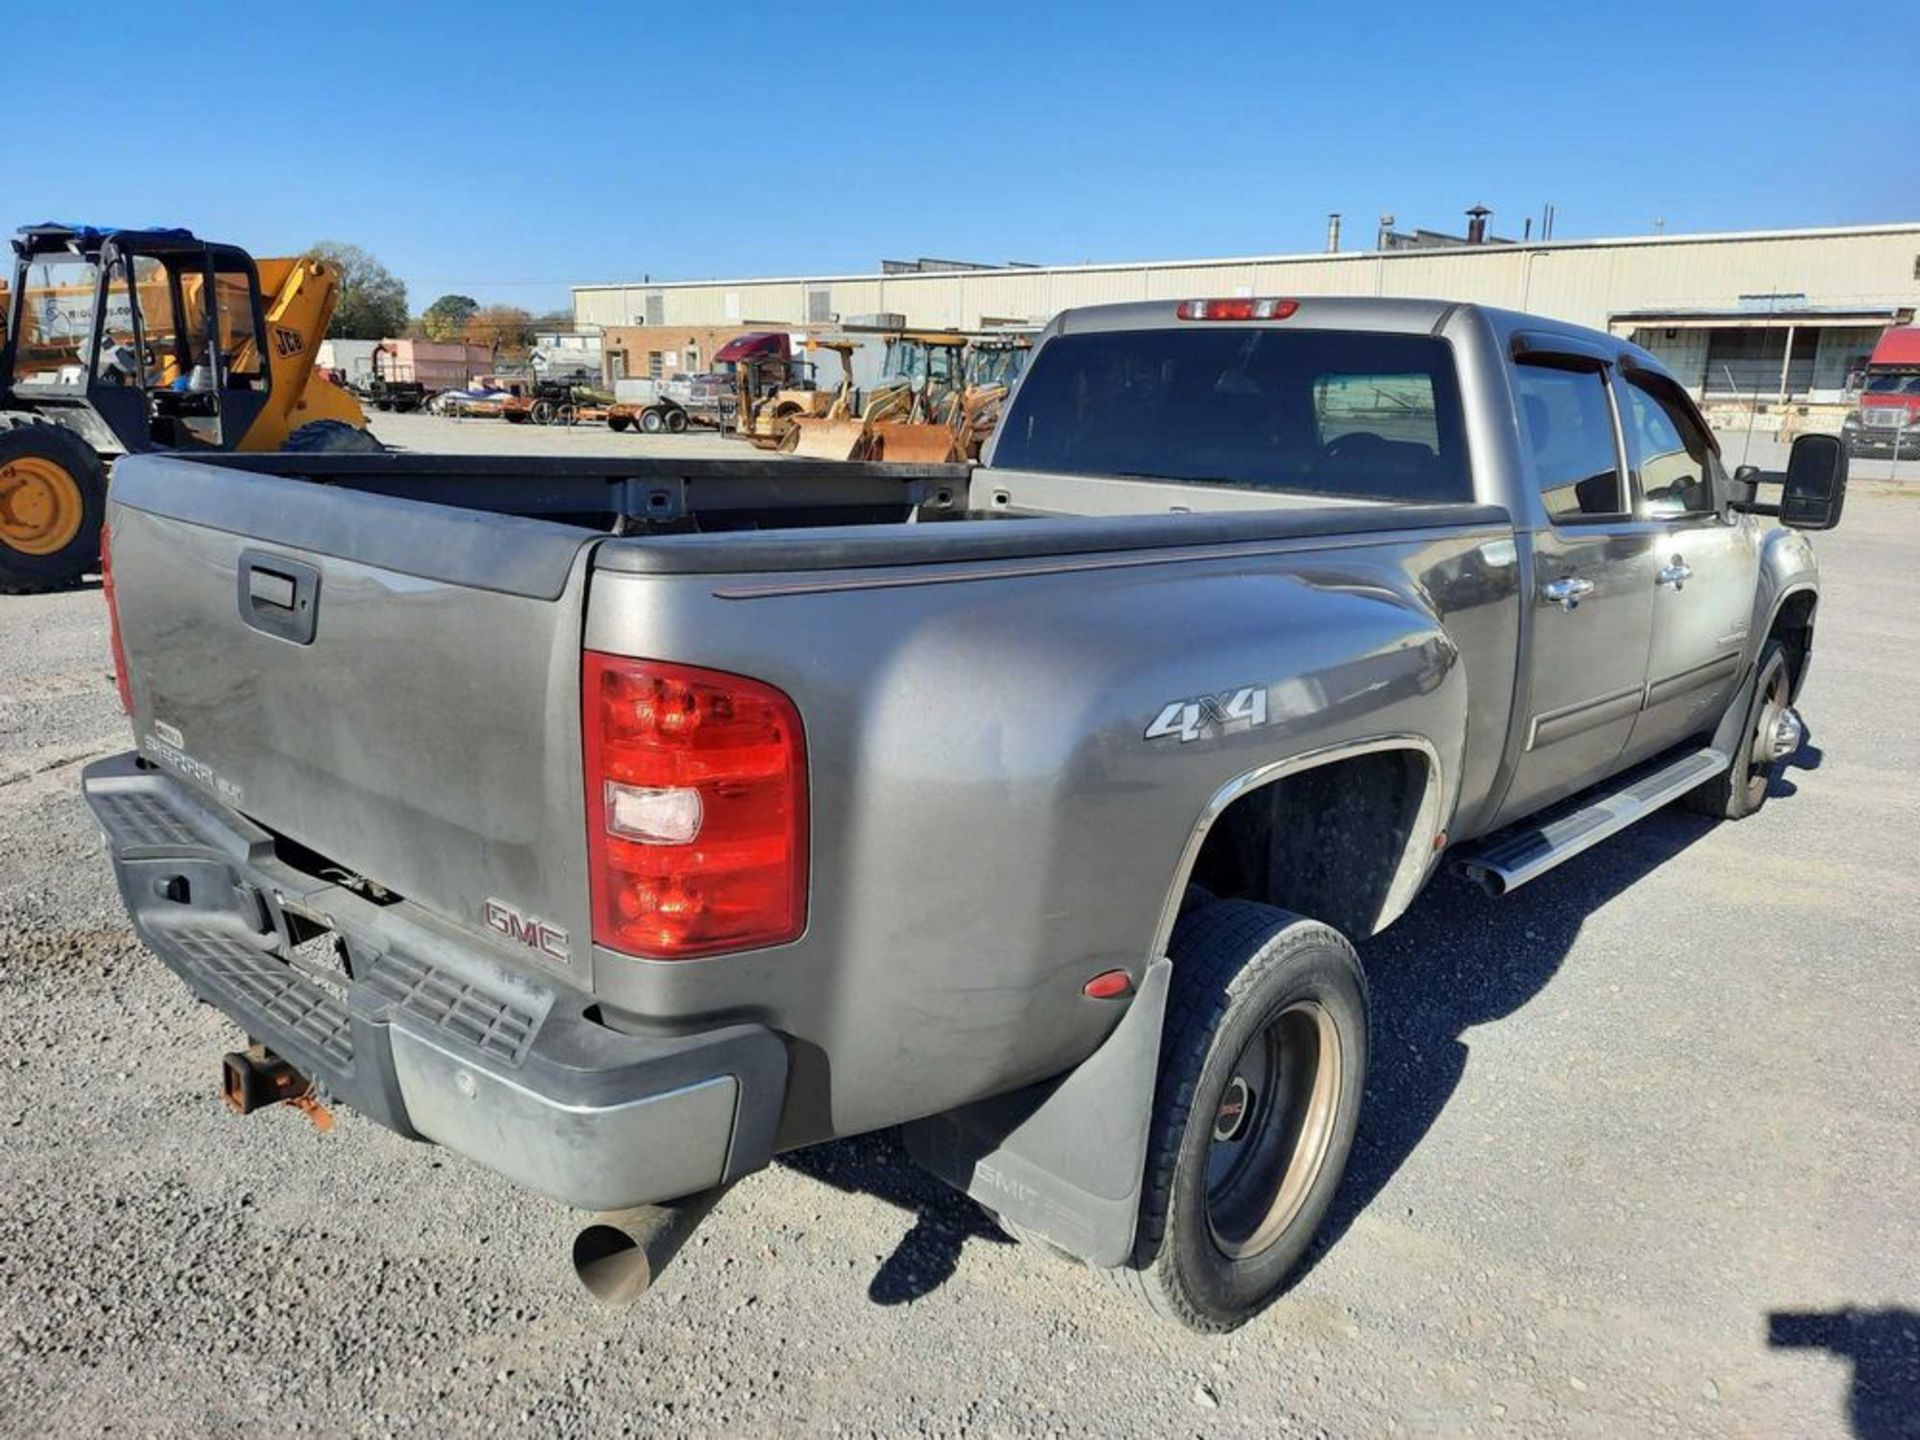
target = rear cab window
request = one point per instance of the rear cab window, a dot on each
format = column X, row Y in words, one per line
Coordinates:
column 1358, row 415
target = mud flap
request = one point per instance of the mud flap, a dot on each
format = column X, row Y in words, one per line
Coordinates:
column 1063, row 1158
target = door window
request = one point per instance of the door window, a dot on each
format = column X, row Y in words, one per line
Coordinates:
column 56, row 322
column 1671, row 455
column 1567, row 424
column 241, row 354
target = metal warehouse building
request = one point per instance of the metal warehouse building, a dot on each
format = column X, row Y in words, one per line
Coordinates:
column 1772, row 316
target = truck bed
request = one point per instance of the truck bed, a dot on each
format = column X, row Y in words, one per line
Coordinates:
column 423, row 736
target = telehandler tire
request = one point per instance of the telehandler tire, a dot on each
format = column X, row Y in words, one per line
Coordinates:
column 333, row 437
column 53, row 500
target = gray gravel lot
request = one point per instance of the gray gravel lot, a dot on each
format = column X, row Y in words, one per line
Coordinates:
column 1618, row 1121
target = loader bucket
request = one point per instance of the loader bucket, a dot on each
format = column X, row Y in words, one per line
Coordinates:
column 914, row 444
column 826, row 439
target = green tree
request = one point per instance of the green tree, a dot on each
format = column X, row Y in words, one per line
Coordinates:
column 447, row 317
column 373, row 300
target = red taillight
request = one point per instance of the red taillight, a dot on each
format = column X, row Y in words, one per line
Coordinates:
column 696, row 809
column 119, row 650
column 1238, row 309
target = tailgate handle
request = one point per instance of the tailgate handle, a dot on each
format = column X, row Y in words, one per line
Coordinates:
column 278, row 596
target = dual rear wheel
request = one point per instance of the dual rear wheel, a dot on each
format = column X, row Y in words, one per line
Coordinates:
column 1263, row 1062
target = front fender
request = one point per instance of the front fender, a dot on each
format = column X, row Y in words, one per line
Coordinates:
column 1787, row 566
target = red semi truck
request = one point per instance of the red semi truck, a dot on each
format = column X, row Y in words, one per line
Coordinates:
column 1888, row 420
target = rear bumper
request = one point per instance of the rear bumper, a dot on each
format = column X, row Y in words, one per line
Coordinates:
column 422, row 1028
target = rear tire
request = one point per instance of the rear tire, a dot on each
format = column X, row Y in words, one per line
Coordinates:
column 1263, row 1063
column 333, row 437
column 53, row 501
column 619, row 423
column 676, row 422
column 1741, row 789
column 652, row 421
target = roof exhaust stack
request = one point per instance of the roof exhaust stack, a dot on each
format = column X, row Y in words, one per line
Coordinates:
column 1477, row 224
column 1333, row 233
column 1385, row 238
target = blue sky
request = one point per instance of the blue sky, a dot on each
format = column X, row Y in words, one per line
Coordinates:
column 505, row 151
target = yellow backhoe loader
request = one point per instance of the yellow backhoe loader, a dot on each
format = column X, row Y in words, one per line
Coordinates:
column 772, row 393
column 120, row 341
column 836, row 433
column 912, row 415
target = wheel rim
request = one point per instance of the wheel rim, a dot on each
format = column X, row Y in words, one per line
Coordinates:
column 1774, row 700
column 41, row 507
column 1272, row 1129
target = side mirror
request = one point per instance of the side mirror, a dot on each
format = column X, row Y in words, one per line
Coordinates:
column 1816, row 485
column 1745, row 487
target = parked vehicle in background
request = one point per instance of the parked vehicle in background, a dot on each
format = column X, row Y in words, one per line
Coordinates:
column 652, row 417
column 697, row 811
column 557, row 402
column 400, row 396
column 993, row 364
column 1887, row 421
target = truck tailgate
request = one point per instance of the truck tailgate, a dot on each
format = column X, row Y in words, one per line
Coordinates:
column 390, row 684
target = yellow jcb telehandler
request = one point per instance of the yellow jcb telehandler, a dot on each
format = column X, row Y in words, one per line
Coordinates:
column 120, row 341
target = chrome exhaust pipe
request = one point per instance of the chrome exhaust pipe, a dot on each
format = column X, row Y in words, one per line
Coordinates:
column 622, row 1252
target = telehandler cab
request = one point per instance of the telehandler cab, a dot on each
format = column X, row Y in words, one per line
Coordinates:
column 121, row 341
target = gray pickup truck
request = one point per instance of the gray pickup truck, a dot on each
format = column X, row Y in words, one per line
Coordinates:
column 624, row 824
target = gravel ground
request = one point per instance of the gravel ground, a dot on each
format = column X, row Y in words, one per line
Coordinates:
column 1639, row 1158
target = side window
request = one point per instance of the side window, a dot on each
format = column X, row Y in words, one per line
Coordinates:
column 1670, row 453
column 1568, row 427
column 241, row 355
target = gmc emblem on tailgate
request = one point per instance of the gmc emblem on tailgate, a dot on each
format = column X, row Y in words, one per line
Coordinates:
column 528, row 930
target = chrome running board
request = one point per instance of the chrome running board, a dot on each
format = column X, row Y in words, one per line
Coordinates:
column 1509, row 860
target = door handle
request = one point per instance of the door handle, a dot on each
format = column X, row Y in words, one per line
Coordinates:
column 1566, row 592
column 278, row 596
column 1677, row 574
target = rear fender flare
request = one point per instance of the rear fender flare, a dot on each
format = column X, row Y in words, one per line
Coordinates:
column 1416, row 857
column 1065, row 1159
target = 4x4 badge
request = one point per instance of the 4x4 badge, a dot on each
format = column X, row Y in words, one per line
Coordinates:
column 1190, row 719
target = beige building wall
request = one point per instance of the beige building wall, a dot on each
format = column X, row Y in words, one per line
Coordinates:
column 1588, row 282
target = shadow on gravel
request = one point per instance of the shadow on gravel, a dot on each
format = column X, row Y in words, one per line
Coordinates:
column 944, row 1219
column 1458, row 959
column 1807, row 757
column 1461, row 958
column 1884, row 1346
